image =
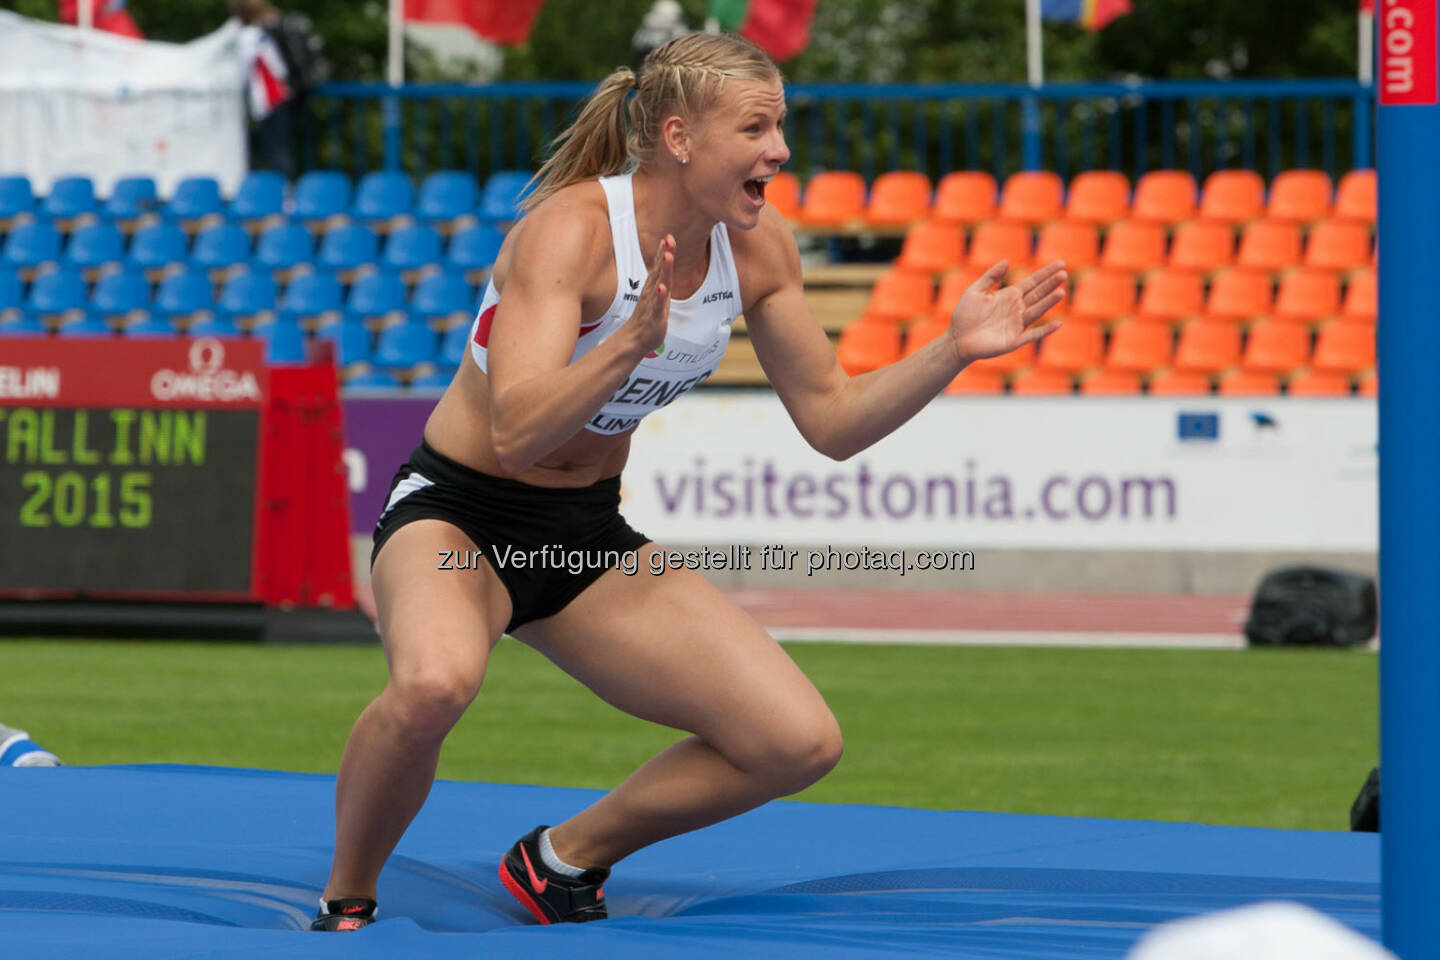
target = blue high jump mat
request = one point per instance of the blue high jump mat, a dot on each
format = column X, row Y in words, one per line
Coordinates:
column 175, row 861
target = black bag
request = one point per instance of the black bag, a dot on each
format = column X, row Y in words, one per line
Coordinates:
column 1310, row 605
column 303, row 51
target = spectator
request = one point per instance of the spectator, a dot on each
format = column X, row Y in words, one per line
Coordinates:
column 282, row 61
column 663, row 23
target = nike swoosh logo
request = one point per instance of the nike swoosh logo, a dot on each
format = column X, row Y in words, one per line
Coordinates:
column 535, row 881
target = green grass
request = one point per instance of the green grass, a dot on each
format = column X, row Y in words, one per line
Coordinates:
column 1261, row 738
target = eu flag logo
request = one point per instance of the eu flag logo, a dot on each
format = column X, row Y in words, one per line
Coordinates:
column 1198, row 426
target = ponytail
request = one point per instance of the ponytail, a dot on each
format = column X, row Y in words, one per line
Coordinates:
column 593, row 146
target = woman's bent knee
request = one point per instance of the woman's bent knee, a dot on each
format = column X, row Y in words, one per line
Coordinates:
column 427, row 706
column 793, row 756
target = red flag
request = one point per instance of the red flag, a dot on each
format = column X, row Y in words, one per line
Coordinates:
column 780, row 27
column 499, row 21
column 109, row 15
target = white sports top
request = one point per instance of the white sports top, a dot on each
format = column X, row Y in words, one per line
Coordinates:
column 698, row 331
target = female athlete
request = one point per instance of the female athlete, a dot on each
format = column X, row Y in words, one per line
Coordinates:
column 612, row 297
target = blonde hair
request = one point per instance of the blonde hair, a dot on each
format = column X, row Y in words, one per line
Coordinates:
column 685, row 75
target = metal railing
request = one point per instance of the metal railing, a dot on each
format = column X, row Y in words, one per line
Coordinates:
column 1198, row 126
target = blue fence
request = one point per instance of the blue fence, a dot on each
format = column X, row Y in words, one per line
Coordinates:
column 1199, row 126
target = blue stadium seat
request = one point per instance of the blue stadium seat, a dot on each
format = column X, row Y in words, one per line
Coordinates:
column 22, row 325
column 131, row 198
column 213, row 325
column 219, row 248
column 11, row 290
column 284, row 248
column 405, row 345
column 247, row 294
column 157, row 246
column 30, row 245
column 310, row 295
column 433, row 379
column 447, row 195
column 195, row 198
column 94, row 246
column 349, row 247
column 382, row 195
column 371, row 380
column 320, row 194
column 184, row 293
column 351, row 339
column 57, row 291
column 87, row 324
column 121, row 292
column 376, row 295
column 284, row 342
column 443, row 295
column 70, row 197
column 261, row 195
column 474, row 249
column 153, row 325
column 16, row 197
column 455, row 346
column 411, row 248
column 500, row 200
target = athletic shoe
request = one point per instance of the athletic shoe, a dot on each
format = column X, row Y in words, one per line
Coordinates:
column 348, row 913
column 551, row 897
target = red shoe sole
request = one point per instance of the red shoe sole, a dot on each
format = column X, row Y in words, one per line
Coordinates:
column 519, row 893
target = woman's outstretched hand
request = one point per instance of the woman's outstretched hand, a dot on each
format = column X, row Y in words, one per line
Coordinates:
column 988, row 323
column 651, row 319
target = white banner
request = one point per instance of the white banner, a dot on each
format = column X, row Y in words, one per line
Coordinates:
column 91, row 103
column 1012, row 472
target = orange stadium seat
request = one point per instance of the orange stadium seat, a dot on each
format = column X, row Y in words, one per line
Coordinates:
column 1338, row 245
column 932, row 247
column 899, row 197
column 1208, row 346
column 996, row 240
column 1308, row 294
column 1300, row 196
column 1345, row 347
column 966, row 197
column 1239, row 293
column 1140, row 347
column 1099, row 197
column 921, row 332
column 1165, row 197
column 1078, row 244
column 783, row 193
column 1204, row 245
column 1017, row 359
column 1172, row 294
column 975, row 380
column 1249, row 383
column 1134, row 245
column 1233, row 196
column 1319, row 383
column 868, row 345
column 1074, row 347
column 899, row 295
column 1110, row 383
column 1362, row 296
column 1276, row 346
column 1370, row 385
column 833, row 198
column 1033, row 196
column 1036, row 382
column 1356, row 196
column 1179, row 383
column 1103, row 295
column 1269, row 245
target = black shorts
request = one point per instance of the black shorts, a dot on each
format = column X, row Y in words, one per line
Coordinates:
column 559, row 540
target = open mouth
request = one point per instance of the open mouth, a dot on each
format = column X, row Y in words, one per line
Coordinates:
column 755, row 188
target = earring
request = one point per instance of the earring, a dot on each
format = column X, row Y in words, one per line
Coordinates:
column 683, row 160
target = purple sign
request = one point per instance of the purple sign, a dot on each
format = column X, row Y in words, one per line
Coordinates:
column 380, row 432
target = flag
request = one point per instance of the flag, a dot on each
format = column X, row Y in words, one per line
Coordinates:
column 1091, row 14
column 267, row 79
column 499, row 21
column 109, row 15
column 780, row 27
